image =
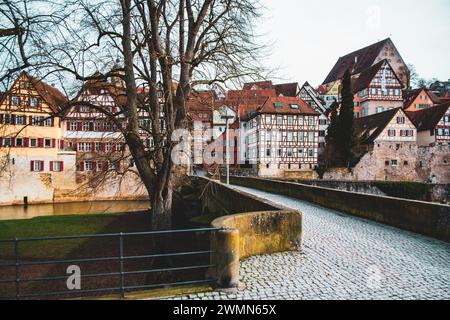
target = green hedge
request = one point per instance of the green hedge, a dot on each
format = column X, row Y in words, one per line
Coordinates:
column 406, row 190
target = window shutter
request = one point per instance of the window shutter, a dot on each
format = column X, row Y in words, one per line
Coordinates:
column 13, row 119
column 30, row 120
column 61, row 144
column 103, row 147
column 68, row 125
column 51, row 166
column 53, row 122
column 31, row 166
column 53, row 143
column 40, row 142
column 42, row 166
column 1, row 142
column 1, row 118
column 26, row 142
column 61, row 166
column 82, row 166
column 94, row 166
column 91, row 126
column 118, row 166
column 105, row 166
column 79, row 126
column 41, row 121
column 113, row 148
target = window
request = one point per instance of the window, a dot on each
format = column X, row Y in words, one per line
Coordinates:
column 33, row 143
column 56, row 166
column 15, row 101
column 311, row 153
column 321, row 133
column 7, row 142
column 397, row 92
column 108, row 147
column 279, row 119
column 380, row 109
column 268, row 152
column 119, row 147
column 47, row 143
column 440, row 132
column 99, row 166
column 289, row 152
column 19, row 142
column 37, row 166
column 88, row 166
column 300, row 121
column 394, row 163
column 278, row 105
column 48, row 122
column 294, row 106
column 85, row 126
column 323, row 122
column 96, row 126
column 268, row 135
column 84, row 109
column 7, row 119
column 373, row 91
column 35, row 120
column 279, row 152
column 400, row 120
column 290, row 120
column 20, row 120
column 301, row 153
column 268, row 119
column 290, row 136
column 33, row 102
column 311, row 136
column 311, row 121
column 301, row 136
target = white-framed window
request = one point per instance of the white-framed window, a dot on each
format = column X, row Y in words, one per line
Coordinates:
column 112, row 166
column 301, row 136
column 33, row 143
column 73, row 126
column 119, row 147
column 374, row 91
column 37, row 166
column 88, row 166
column 268, row 152
column 301, row 153
column 380, row 109
column 294, row 106
column 7, row 142
column 391, row 132
column 33, row 102
column 48, row 122
column 268, row 135
column 311, row 153
column 108, row 147
column 15, row 101
column 279, row 119
column 57, row 166
column 85, row 126
column 84, row 109
column 268, row 119
column 96, row 126
column 300, row 121
column 311, row 121
column 400, row 120
column 7, row 118
column 35, row 120
column 99, row 166
column 107, row 126
column 98, row 146
column 290, row 136
column 289, row 152
column 394, row 163
column 397, row 92
column 20, row 120
column 290, row 120
column 311, row 136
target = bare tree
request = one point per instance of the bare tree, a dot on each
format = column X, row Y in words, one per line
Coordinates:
column 173, row 45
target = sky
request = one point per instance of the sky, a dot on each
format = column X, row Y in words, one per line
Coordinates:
column 309, row 36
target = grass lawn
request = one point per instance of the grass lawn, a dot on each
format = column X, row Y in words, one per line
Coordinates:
column 65, row 226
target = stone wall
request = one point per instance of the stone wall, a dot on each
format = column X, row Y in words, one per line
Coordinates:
column 438, row 192
column 421, row 217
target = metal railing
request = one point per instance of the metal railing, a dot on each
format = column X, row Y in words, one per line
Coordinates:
column 121, row 259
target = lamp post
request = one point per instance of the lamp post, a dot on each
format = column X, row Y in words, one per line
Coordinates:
column 227, row 142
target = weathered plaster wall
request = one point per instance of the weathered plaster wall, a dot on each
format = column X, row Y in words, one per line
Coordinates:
column 421, row 217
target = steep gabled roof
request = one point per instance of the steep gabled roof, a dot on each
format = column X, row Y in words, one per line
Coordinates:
column 260, row 85
column 356, row 61
column 372, row 126
column 366, row 77
column 51, row 95
column 428, row 119
column 411, row 95
column 287, row 89
column 282, row 105
column 314, row 95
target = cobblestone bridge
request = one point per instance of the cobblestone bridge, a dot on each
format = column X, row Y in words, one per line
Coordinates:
column 345, row 257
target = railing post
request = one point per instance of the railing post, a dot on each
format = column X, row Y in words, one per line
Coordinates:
column 122, row 274
column 16, row 252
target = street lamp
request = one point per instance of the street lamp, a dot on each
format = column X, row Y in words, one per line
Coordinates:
column 227, row 138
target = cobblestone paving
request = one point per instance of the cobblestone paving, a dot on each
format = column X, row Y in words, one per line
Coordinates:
column 344, row 257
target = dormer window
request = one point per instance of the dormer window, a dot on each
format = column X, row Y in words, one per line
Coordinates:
column 278, row 105
column 294, row 106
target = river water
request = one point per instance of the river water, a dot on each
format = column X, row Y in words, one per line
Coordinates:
column 57, row 209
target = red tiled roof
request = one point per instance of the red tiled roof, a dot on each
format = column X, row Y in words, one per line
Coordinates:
column 411, row 95
column 287, row 89
column 260, row 85
column 52, row 96
column 428, row 119
column 376, row 122
column 285, row 106
column 365, row 59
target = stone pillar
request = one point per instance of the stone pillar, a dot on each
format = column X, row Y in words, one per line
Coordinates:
column 225, row 243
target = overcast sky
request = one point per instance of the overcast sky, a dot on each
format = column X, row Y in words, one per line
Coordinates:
column 311, row 35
